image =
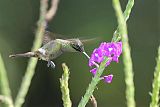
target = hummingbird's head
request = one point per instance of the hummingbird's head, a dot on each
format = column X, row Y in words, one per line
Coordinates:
column 77, row 45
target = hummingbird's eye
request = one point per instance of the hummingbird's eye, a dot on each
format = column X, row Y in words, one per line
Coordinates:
column 78, row 47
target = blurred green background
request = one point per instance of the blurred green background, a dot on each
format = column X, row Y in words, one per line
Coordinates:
column 80, row 18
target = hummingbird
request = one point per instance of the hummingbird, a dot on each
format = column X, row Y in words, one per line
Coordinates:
column 53, row 48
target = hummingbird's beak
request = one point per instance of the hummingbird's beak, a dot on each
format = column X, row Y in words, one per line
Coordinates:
column 86, row 55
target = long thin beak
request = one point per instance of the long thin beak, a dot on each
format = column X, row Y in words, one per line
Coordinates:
column 86, row 55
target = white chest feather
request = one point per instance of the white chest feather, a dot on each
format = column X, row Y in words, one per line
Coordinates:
column 42, row 51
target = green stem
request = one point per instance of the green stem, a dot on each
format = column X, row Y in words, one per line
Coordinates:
column 64, row 87
column 32, row 61
column 156, row 83
column 92, row 85
column 4, row 84
column 128, row 69
column 6, row 100
column 116, row 36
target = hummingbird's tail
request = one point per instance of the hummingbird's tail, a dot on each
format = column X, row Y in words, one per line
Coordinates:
column 27, row 54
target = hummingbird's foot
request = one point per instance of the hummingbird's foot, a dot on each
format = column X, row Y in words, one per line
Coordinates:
column 51, row 63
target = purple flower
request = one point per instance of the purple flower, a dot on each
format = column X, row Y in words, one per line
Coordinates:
column 93, row 71
column 111, row 50
column 108, row 78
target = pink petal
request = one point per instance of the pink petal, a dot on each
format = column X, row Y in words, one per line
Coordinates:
column 108, row 78
column 93, row 71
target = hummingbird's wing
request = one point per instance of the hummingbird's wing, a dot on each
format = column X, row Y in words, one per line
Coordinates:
column 85, row 40
column 90, row 40
column 49, row 36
